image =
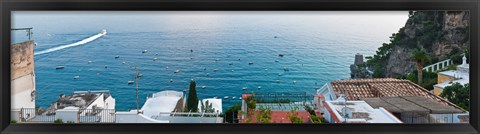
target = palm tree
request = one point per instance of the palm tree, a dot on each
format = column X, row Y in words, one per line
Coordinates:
column 420, row 56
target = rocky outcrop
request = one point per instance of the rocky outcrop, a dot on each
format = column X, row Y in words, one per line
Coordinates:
column 440, row 33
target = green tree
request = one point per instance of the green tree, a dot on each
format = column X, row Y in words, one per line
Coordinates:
column 420, row 56
column 192, row 100
column 232, row 113
column 207, row 107
column 458, row 94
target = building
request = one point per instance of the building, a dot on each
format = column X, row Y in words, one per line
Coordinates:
column 281, row 105
column 418, row 109
column 22, row 78
column 393, row 93
column 167, row 107
column 343, row 111
column 447, row 78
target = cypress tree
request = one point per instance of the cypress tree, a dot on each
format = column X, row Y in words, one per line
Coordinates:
column 192, row 100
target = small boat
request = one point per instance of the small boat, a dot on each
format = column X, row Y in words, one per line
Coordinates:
column 144, row 51
column 191, row 58
column 76, row 77
column 233, row 70
column 240, row 98
column 217, row 59
column 278, row 81
column 106, row 66
column 238, row 58
column 104, row 31
column 230, row 63
column 59, row 67
column 285, row 69
column 275, row 37
column 281, row 55
column 226, row 97
column 156, row 53
column 89, row 62
column 124, row 62
column 259, row 87
column 250, row 63
column 203, row 87
column 177, row 71
column 171, row 80
column 208, row 74
column 191, row 50
column 294, row 81
column 276, row 60
column 233, row 98
column 280, row 74
column 116, row 57
column 154, row 59
column 139, row 75
column 166, row 67
column 244, row 88
column 131, row 82
column 216, row 69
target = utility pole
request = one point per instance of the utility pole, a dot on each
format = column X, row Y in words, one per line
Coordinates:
column 137, row 78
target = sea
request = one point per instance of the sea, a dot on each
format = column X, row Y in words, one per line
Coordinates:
column 225, row 52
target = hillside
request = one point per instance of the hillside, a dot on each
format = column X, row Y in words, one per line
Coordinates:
column 442, row 34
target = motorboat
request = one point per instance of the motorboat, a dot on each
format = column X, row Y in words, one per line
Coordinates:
column 203, row 87
column 285, row 69
column 89, row 62
column 281, row 55
column 244, row 88
column 104, row 31
column 233, row 98
column 226, row 97
column 59, row 67
column 171, row 80
column 216, row 69
column 144, row 51
column 230, row 63
column 259, row 87
column 116, row 57
column 131, row 82
column 76, row 77
column 154, row 59
column 250, row 63
column 177, row 71
column 124, row 62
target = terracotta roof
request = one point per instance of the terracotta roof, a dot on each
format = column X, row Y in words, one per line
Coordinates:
column 357, row 89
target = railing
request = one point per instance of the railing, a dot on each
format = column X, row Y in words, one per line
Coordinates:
column 32, row 115
column 97, row 116
column 442, row 65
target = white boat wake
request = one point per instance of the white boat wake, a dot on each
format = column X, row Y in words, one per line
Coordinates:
column 84, row 41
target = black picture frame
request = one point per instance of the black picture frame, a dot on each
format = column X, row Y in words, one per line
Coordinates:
column 6, row 6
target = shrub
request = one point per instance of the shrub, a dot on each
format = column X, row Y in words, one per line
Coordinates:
column 13, row 121
column 58, row 121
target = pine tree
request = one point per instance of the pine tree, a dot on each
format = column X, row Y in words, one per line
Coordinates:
column 192, row 100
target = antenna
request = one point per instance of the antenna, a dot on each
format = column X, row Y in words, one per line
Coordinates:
column 137, row 78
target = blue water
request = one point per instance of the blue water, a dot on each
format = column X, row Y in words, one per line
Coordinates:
column 318, row 48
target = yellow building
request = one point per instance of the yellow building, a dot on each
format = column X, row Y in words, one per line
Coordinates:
column 447, row 78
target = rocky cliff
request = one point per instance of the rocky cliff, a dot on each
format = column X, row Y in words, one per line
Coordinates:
column 440, row 33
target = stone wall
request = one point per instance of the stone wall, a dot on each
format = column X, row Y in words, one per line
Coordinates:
column 21, row 59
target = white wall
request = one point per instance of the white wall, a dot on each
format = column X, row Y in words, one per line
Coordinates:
column 22, row 89
column 132, row 117
column 69, row 114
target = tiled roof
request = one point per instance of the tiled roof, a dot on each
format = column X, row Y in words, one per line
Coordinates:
column 357, row 89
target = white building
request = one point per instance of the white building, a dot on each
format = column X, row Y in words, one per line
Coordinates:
column 342, row 111
column 164, row 107
column 447, row 78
